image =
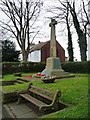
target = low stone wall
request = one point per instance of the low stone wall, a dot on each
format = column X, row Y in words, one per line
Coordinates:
column 10, row 97
column 4, row 83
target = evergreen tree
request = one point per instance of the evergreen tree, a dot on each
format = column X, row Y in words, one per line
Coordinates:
column 9, row 53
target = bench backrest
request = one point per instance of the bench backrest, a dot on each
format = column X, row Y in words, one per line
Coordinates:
column 44, row 95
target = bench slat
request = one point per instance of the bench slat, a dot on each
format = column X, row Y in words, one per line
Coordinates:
column 32, row 100
column 40, row 94
column 41, row 89
column 41, row 98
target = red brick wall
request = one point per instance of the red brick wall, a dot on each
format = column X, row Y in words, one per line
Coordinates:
column 60, row 52
column 45, row 52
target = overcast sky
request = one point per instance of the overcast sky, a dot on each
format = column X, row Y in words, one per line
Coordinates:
column 60, row 36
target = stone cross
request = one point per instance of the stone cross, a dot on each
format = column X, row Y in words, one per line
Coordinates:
column 53, row 38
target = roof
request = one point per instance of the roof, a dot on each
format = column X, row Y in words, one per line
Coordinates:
column 38, row 46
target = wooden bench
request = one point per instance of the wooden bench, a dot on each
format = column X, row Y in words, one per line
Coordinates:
column 41, row 98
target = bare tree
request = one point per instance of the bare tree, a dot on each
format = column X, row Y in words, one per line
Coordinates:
column 21, row 19
column 70, row 44
column 89, row 19
column 62, row 13
column 82, row 38
column 79, row 19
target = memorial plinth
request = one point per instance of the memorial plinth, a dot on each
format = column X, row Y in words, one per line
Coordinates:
column 53, row 67
column 53, row 64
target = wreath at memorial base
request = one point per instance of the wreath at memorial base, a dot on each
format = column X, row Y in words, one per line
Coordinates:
column 48, row 79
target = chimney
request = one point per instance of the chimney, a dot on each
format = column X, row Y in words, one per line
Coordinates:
column 39, row 42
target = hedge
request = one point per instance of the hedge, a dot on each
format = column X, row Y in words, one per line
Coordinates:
column 77, row 67
column 73, row 67
column 13, row 67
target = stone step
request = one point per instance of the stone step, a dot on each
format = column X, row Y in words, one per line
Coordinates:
column 16, row 83
column 59, row 73
column 20, row 81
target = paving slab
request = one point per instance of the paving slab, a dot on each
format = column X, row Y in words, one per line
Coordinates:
column 19, row 111
column 0, row 115
column 0, row 107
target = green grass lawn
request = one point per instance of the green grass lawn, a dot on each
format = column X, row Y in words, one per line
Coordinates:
column 74, row 94
column 12, row 77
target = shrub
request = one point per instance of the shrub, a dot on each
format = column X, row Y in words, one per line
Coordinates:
column 10, row 67
column 77, row 67
column 14, row 67
column 74, row 67
column 89, row 66
column 39, row 66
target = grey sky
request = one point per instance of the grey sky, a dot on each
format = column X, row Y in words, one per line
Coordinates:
column 45, row 31
column 60, row 36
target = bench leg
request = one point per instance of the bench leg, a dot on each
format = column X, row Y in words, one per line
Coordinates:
column 49, row 108
column 19, row 99
column 56, row 106
column 45, row 109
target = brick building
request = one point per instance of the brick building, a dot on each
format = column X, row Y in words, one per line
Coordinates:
column 41, row 51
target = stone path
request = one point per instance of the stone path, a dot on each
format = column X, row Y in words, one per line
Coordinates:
column 0, row 109
column 0, row 102
column 15, row 110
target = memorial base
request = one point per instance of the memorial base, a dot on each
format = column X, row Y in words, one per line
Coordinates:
column 53, row 68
